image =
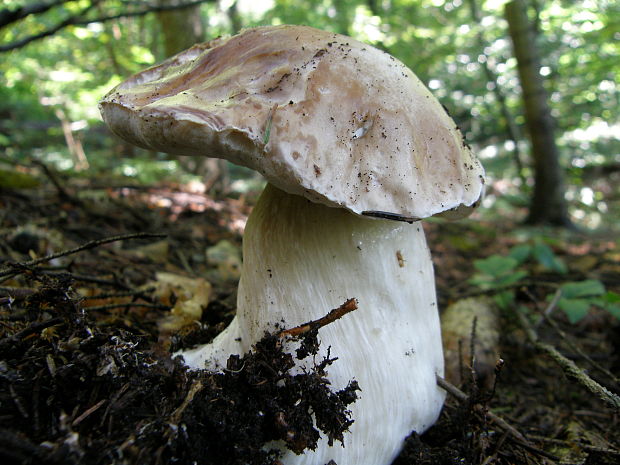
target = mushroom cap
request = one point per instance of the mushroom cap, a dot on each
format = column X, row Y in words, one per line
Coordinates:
column 318, row 114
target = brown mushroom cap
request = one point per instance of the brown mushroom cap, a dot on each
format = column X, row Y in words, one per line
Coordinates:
column 318, row 114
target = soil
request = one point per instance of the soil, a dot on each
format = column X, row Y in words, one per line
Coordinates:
column 86, row 373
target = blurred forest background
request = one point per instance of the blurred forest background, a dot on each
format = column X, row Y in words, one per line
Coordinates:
column 59, row 57
column 533, row 85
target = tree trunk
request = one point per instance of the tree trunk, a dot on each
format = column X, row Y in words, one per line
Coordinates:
column 181, row 28
column 548, row 205
column 234, row 18
column 512, row 130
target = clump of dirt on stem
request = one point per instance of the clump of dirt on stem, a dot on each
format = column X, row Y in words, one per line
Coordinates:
column 74, row 391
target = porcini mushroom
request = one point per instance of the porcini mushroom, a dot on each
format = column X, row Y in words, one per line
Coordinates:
column 350, row 142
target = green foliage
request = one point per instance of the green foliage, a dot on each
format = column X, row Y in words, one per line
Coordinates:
column 498, row 272
column 465, row 59
column 543, row 254
column 611, row 302
column 576, row 298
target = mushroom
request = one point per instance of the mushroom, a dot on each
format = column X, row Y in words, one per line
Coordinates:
column 355, row 150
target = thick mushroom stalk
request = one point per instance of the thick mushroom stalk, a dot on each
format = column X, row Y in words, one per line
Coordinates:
column 302, row 259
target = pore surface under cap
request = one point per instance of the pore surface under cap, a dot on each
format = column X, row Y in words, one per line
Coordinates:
column 318, row 114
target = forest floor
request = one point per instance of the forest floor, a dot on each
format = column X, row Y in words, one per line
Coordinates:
column 86, row 374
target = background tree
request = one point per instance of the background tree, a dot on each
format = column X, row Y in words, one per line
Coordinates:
column 181, row 27
column 547, row 204
column 63, row 55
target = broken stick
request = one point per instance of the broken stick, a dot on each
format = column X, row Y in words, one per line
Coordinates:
column 332, row 316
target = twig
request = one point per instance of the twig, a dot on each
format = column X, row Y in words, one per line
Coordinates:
column 536, row 450
column 472, row 357
column 33, row 328
column 96, row 280
column 581, row 442
column 7, row 276
column 8, row 15
column 461, row 396
column 332, row 316
column 451, row 389
column 88, row 245
column 183, row 260
column 548, row 319
column 62, row 192
column 48, row 32
column 99, row 308
column 490, row 458
column 554, row 303
column 568, row 366
column 178, row 413
column 515, row 435
column 88, row 412
column 16, row 293
column 139, row 293
column 79, row 20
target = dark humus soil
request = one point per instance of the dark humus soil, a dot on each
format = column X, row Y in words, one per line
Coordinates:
column 86, row 374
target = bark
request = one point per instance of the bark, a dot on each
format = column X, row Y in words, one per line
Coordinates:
column 512, row 130
column 181, row 28
column 114, row 32
column 548, row 205
column 234, row 18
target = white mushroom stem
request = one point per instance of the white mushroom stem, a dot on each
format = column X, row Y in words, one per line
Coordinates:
column 302, row 259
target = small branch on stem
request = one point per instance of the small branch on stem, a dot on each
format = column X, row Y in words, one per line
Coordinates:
column 332, row 316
